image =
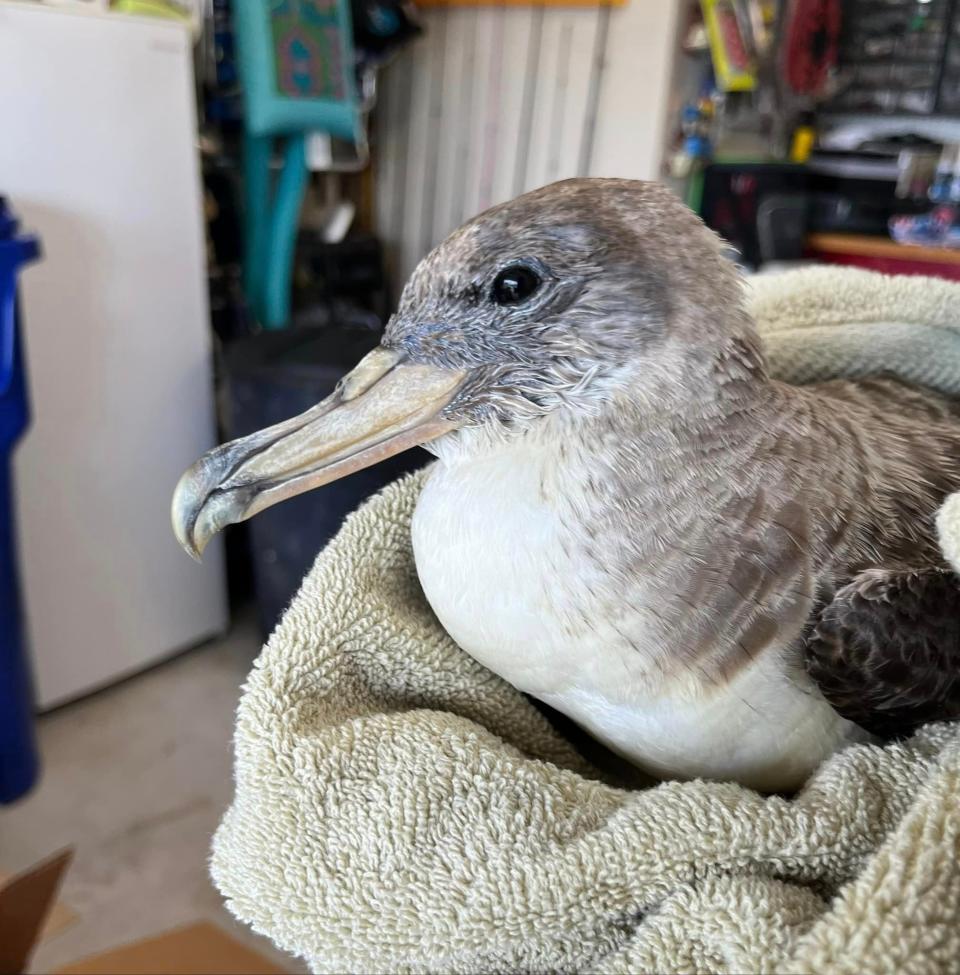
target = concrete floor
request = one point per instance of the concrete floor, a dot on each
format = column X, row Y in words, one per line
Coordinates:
column 135, row 779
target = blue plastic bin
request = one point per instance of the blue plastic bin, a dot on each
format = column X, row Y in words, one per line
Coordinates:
column 19, row 763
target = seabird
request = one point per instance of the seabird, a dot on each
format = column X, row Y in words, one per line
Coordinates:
column 714, row 573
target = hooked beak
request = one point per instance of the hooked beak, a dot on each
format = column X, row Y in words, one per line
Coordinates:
column 382, row 407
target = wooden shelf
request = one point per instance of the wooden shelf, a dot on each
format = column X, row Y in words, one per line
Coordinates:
column 861, row 245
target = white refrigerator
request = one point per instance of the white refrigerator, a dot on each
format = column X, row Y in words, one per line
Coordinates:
column 98, row 156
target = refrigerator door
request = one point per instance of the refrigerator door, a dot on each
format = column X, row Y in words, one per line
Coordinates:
column 98, row 154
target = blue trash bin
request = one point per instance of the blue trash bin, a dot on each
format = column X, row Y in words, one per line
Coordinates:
column 18, row 751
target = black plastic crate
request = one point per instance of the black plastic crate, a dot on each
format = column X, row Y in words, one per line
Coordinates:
column 269, row 378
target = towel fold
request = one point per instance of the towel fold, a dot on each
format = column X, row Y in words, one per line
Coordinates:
column 399, row 808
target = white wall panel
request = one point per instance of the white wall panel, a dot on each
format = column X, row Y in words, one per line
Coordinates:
column 507, row 149
column 635, row 89
column 497, row 100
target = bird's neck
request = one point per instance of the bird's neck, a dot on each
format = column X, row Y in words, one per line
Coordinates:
column 705, row 426
column 680, row 472
column 674, row 465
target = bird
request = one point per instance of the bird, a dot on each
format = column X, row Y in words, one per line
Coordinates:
column 716, row 574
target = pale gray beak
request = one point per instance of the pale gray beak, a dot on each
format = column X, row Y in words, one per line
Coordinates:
column 382, row 407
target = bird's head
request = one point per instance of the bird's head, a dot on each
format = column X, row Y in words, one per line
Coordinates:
column 553, row 303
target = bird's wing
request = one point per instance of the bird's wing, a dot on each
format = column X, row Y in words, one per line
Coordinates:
column 885, row 652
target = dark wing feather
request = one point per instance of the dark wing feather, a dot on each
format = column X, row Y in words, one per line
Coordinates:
column 885, row 652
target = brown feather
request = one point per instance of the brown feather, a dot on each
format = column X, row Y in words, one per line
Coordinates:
column 885, row 651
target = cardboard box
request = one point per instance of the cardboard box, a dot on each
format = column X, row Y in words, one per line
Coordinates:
column 29, row 912
column 197, row 949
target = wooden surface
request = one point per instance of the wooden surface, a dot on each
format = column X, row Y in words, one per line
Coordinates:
column 859, row 244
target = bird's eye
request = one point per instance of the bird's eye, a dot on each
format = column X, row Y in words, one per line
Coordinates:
column 514, row 284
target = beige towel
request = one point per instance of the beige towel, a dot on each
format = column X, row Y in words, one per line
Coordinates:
column 400, row 809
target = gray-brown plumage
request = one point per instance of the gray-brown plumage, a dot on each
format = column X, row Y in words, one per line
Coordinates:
column 713, row 572
column 884, row 648
column 885, row 651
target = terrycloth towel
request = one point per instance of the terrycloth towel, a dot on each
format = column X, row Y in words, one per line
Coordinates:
column 401, row 809
column 826, row 322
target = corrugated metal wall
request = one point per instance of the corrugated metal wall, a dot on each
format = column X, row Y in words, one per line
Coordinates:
column 493, row 101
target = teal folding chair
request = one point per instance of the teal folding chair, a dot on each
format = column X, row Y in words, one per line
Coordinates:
column 296, row 62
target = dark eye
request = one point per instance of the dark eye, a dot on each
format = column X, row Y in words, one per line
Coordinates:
column 514, row 284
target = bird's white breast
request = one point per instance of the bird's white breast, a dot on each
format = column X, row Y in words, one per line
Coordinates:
column 500, row 565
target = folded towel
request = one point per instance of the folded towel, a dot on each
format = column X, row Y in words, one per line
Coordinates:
column 827, row 322
column 401, row 809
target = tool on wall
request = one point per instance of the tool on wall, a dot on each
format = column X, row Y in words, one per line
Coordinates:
column 807, row 59
column 811, row 38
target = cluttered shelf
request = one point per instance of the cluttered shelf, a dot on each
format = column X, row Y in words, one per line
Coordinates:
column 833, row 137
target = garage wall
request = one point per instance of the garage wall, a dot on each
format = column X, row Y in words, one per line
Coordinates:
column 496, row 100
